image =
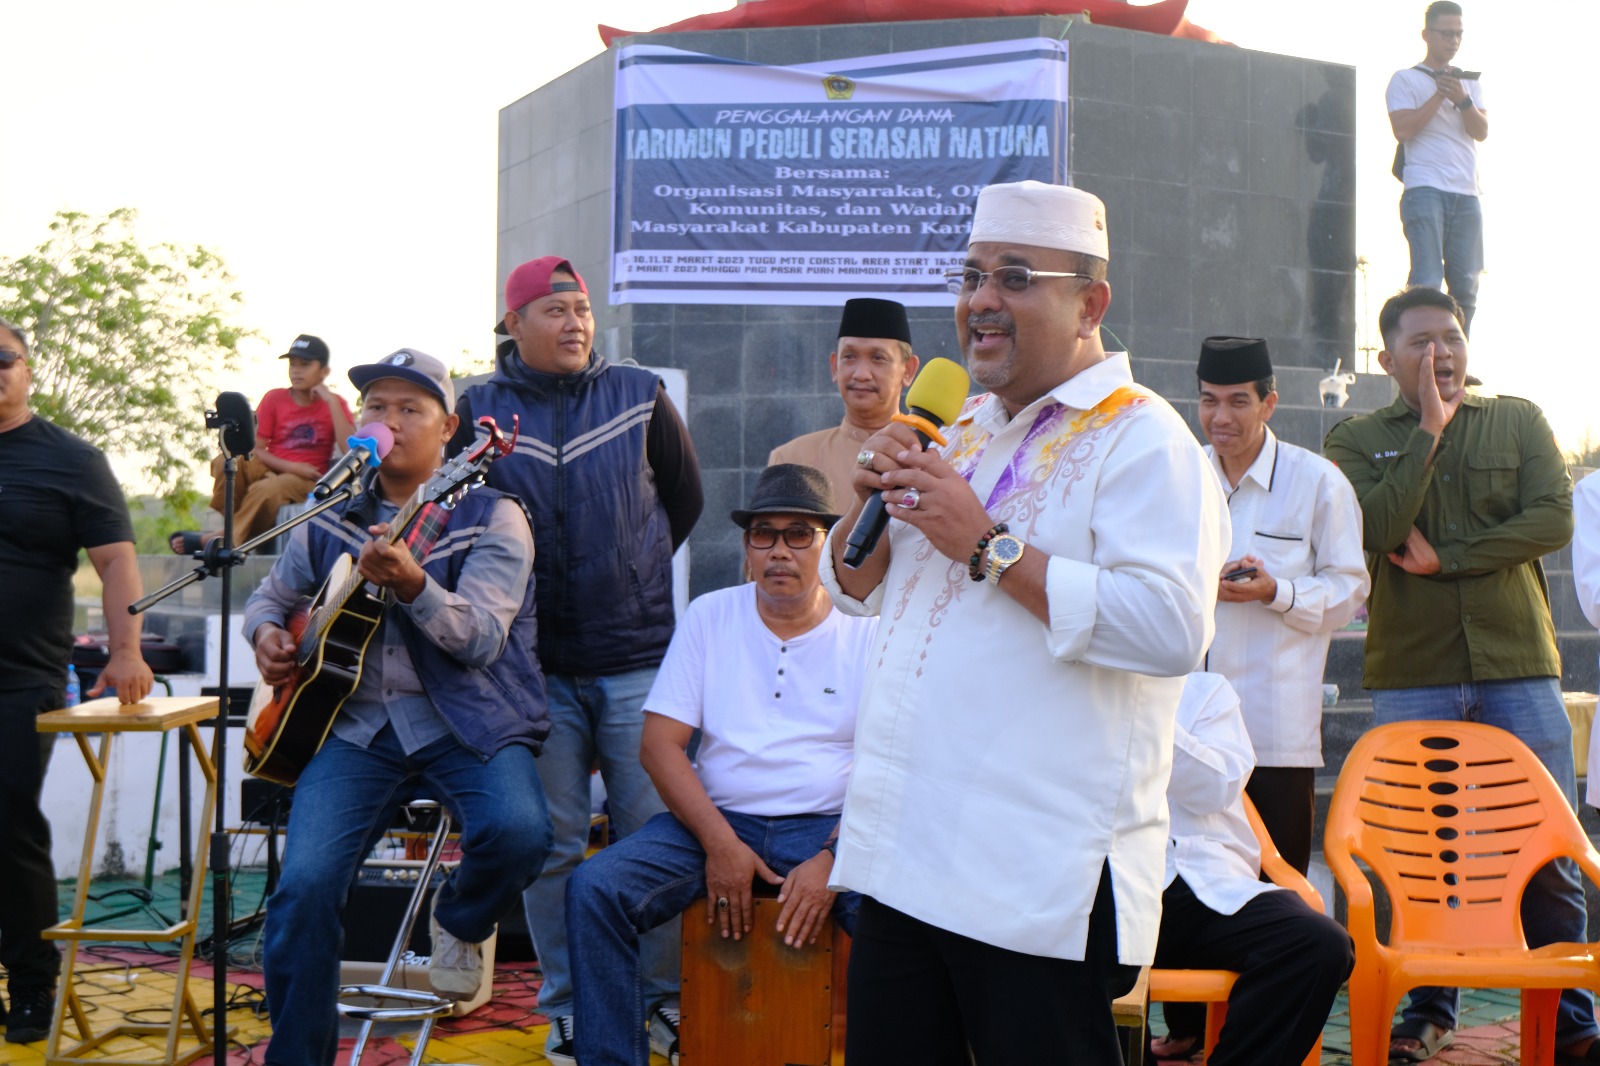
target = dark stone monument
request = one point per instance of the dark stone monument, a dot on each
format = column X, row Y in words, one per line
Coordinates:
column 1229, row 181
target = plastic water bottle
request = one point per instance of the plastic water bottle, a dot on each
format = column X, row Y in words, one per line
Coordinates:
column 74, row 689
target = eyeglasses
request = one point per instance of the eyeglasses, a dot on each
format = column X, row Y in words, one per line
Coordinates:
column 764, row 537
column 9, row 359
column 1454, row 35
column 1009, row 278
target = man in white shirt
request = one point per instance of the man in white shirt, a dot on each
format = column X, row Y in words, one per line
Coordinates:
column 1586, row 574
column 1295, row 573
column 871, row 364
column 1217, row 913
column 1437, row 114
column 771, row 675
column 1046, row 580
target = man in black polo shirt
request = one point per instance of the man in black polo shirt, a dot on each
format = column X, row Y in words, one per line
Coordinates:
column 56, row 495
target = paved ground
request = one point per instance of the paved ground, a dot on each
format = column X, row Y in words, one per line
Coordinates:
column 508, row 1029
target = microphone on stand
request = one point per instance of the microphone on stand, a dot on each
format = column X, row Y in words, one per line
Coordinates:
column 237, row 420
column 934, row 400
column 367, row 447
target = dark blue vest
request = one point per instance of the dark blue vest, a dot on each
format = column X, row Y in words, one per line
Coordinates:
column 486, row 709
column 603, row 547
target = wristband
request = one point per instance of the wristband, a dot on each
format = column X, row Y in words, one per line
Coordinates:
column 975, row 571
column 1464, row 104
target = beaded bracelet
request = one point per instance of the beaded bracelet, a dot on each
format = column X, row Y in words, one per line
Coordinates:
column 972, row 564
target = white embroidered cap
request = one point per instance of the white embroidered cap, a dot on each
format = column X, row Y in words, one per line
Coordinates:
column 1043, row 215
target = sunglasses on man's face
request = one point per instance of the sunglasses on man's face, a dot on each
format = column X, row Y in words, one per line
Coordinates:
column 8, row 359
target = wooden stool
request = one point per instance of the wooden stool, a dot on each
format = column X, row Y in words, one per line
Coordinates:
column 107, row 717
column 757, row 1001
column 1130, row 1012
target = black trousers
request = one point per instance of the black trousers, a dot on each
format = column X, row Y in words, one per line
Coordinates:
column 27, row 874
column 1285, row 797
column 1290, row 959
column 922, row 994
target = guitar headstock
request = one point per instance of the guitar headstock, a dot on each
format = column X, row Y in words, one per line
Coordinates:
column 492, row 443
column 452, row 480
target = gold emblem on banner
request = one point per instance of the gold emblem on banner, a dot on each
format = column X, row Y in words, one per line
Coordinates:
column 839, row 87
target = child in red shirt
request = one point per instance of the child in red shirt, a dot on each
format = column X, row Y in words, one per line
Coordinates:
column 299, row 431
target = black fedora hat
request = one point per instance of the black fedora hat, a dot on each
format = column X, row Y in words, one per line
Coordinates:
column 789, row 488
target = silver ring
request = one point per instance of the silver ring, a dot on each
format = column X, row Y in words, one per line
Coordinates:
column 864, row 458
column 722, row 903
column 910, row 499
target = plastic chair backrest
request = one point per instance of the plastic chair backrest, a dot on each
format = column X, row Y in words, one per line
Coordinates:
column 1275, row 866
column 1453, row 818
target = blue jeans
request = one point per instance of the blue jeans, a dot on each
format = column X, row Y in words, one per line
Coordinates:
column 1553, row 909
column 344, row 802
column 1445, row 232
column 590, row 718
column 640, row 884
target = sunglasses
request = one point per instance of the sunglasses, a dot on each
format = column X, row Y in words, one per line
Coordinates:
column 765, row 537
column 8, row 359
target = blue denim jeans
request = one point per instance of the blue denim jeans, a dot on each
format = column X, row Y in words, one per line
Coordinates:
column 640, row 884
column 343, row 804
column 1445, row 232
column 592, row 718
column 1553, row 909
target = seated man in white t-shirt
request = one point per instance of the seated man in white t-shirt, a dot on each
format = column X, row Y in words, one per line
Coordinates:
column 770, row 674
column 1216, row 912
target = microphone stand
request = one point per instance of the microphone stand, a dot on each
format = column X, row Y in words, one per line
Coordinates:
column 218, row 559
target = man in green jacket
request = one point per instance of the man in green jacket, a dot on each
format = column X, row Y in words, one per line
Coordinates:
column 1461, row 495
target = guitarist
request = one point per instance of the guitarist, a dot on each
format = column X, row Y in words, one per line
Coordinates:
column 450, row 698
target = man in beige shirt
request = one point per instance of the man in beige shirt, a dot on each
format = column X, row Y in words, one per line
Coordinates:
column 872, row 363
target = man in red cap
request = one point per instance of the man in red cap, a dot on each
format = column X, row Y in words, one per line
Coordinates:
column 608, row 471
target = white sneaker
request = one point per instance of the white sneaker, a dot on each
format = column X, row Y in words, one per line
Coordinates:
column 455, row 969
column 664, row 1031
column 558, row 1045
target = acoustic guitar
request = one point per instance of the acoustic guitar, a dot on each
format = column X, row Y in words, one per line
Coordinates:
column 289, row 721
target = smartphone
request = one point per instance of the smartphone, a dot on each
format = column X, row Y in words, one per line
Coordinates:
column 1240, row 575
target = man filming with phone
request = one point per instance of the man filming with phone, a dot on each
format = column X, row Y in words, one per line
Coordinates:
column 1437, row 113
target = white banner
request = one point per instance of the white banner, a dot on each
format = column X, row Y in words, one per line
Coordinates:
column 742, row 183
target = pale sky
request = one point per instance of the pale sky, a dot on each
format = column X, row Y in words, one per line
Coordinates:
column 341, row 157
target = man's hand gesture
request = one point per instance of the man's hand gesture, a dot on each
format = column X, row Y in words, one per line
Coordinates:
column 1436, row 412
column 1416, row 555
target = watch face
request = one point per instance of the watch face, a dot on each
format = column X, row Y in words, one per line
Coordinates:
column 1006, row 549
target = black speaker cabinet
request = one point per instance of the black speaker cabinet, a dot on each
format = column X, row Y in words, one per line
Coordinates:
column 377, row 905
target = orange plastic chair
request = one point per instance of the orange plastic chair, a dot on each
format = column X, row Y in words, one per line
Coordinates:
column 1212, row 987
column 1453, row 818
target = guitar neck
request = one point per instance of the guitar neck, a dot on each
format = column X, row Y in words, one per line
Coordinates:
column 417, row 525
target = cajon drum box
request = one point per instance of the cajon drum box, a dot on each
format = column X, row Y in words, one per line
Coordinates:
column 756, row 1001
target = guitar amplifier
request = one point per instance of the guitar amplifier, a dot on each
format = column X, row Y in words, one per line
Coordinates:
column 378, row 904
column 372, row 918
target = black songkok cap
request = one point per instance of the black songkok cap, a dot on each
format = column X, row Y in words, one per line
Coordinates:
column 1233, row 360
column 869, row 317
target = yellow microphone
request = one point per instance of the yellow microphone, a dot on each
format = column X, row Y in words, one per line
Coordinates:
column 933, row 402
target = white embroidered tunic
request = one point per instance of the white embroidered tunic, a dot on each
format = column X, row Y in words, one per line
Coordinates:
column 999, row 761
